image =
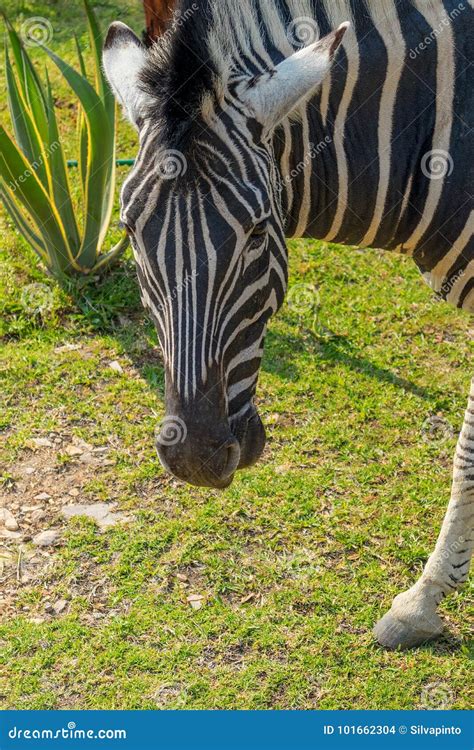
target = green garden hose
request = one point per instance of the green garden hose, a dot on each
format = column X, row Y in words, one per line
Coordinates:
column 118, row 162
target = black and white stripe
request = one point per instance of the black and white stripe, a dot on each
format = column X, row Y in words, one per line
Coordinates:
column 362, row 138
column 384, row 108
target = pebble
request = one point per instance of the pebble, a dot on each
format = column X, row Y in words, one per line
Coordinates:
column 99, row 512
column 88, row 458
column 38, row 515
column 116, row 366
column 60, row 606
column 195, row 600
column 68, row 348
column 74, row 450
column 8, row 519
column 43, row 496
column 6, row 534
column 41, row 442
column 47, row 538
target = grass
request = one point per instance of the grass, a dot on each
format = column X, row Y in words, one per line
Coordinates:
column 297, row 560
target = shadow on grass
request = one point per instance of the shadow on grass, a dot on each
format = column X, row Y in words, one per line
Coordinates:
column 334, row 349
column 111, row 307
column 449, row 644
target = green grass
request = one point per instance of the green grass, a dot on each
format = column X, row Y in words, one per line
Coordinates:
column 298, row 559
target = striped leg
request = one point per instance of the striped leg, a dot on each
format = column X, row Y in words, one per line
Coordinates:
column 413, row 618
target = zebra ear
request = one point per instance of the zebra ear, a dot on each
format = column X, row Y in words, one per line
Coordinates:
column 123, row 58
column 274, row 95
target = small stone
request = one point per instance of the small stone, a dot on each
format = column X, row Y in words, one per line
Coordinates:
column 47, row 538
column 43, row 496
column 195, row 600
column 116, row 366
column 67, row 348
column 88, row 458
column 38, row 515
column 182, row 577
column 8, row 519
column 60, row 606
column 30, row 470
column 73, row 450
column 74, row 492
column 101, row 513
column 30, row 508
column 6, row 534
column 81, row 444
column 48, row 607
column 41, row 442
column 37, row 559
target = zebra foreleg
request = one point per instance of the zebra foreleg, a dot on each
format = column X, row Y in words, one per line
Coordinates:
column 413, row 617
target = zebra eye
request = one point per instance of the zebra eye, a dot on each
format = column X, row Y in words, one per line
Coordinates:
column 258, row 232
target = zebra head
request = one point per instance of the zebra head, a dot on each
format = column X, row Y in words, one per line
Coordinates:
column 202, row 208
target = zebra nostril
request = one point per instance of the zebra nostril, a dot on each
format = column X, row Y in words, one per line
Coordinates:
column 199, row 462
column 233, row 458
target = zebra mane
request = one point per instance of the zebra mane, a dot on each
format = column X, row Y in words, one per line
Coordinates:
column 189, row 67
column 179, row 72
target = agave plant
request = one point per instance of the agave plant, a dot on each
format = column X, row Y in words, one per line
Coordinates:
column 34, row 183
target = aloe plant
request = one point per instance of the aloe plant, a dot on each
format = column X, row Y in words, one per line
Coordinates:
column 34, row 183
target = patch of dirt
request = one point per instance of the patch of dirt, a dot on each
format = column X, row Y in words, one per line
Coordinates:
column 49, row 477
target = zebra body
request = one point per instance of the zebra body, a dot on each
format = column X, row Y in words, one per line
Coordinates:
column 343, row 120
column 397, row 124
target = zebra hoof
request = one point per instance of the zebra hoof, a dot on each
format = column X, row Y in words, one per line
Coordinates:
column 392, row 633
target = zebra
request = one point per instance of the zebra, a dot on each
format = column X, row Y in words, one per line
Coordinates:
column 348, row 121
